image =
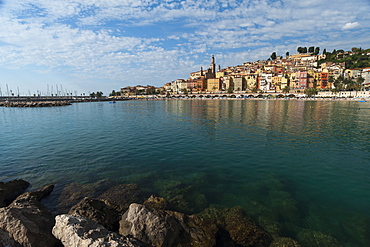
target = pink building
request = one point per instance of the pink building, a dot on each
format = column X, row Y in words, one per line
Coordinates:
column 302, row 78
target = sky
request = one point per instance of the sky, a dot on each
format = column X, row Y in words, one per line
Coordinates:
column 83, row 46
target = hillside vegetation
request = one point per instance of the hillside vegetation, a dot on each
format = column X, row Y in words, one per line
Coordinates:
column 357, row 58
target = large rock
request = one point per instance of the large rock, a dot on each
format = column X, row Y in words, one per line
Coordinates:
column 74, row 192
column 153, row 227
column 166, row 228
column 27, row 222
column 121, row 196
column 97, row 211
column 10, row 190
column 79, row 231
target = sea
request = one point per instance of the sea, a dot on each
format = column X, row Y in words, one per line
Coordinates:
column 299, row 168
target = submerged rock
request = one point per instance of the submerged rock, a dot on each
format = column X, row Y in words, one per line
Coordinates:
column 284, row 242
column 182, row 197
column 242, row 231
column 74, row 192
column 357, row 227
column 236, row 227
column 154, row 202
column 284, row 206
column 310, row 238
column 27, row 222
column 10, row 190
column 121, row 196
column 97, row 211
column 79, row 231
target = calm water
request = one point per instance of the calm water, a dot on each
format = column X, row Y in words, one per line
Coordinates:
column 303, row 166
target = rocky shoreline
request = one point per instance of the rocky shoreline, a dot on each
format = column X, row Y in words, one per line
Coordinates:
column 120, row 215
column 34, row 103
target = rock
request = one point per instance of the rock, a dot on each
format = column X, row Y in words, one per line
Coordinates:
column 73, row 193
column 202, row 232
column 7, row 240
column 79, row 231
column 284, row 242
column 182, row 197
column 167, row 228
column 284, row 206
column 270, row 226
column 97, row 211
column 121, row 196
column 10, row 190
column 236, row 228
column 242, row 231
column 154, row 202
column 310, row 238
column 153, row 227
column 27, row 222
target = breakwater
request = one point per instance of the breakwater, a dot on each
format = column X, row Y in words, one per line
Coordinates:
column 34, row 103
column 48, row 101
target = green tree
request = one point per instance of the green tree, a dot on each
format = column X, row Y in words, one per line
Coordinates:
column 324, row 51
column 287, row 54
column 311, row 49
column 93, row 95
column 150, row 90
column 335, row 90
column 113, row 93
column 273, row 56
column 310, row 91
column 230, row 90
column 286, row 89
column 317, row 51
column 331, row 79
column 99, row 94
column 358, row 84
column 338, row 84
column 304, row 50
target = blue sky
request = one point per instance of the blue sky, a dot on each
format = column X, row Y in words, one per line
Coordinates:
column 100, row 45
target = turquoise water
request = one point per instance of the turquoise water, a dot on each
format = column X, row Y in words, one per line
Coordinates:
column 301, row 165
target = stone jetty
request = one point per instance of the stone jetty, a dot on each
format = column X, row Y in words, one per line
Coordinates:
column 34, row 103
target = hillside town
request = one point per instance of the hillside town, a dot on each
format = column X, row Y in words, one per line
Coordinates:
column 303, row 72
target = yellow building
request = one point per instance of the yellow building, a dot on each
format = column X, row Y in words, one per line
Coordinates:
column 276, row 81
column 251, row 81
column 213, row 84
column 220, row 74
column 284, row 82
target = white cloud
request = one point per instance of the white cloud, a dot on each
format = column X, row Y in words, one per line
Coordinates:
column 351, row 25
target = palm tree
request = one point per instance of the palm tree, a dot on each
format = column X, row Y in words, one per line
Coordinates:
column 310, row 91
column 286, row 89
column 338, row 84
column 358, row 84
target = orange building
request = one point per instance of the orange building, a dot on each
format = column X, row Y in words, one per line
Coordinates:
column 196, row 85
column 324, row 76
